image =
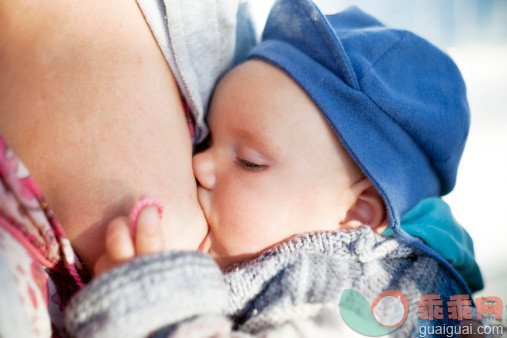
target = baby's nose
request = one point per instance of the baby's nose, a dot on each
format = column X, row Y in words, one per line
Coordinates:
column 204, row 169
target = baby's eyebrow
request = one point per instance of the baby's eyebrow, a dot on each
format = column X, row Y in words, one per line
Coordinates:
column 251, row 137
column 257, row 139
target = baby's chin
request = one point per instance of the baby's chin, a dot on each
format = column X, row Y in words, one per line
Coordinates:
column 225, row 259
column 216, row 252
column 212, row 248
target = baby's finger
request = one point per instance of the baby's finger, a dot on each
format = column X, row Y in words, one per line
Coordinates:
column 149, row 236
column 119, row 243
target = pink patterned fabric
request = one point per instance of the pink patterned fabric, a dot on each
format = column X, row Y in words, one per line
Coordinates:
column 45, row 268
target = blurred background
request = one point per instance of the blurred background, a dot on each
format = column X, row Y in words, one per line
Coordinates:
column 474, row 34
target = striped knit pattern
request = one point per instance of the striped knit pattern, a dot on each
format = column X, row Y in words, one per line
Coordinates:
column 292, row 289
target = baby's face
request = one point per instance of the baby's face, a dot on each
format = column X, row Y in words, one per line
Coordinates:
column 274, row 168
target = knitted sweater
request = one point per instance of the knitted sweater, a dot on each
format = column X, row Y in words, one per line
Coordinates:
column 290, row 290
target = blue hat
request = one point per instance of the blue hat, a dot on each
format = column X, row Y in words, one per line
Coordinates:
column 397, row 103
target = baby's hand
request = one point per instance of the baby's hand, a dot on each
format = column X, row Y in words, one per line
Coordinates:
column 124, row 241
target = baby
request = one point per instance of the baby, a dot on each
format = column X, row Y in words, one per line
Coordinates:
column 275, row 169
column 332, row 130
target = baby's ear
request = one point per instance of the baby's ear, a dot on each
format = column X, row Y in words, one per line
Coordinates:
column 368, row 209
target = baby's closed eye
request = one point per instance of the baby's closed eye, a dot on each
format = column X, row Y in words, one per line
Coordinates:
column 250, row 166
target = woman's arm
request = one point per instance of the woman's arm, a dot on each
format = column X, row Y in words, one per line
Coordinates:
column 89, row 104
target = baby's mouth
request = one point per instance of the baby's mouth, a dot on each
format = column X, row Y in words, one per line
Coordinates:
column 204, row 204
column 205, row 244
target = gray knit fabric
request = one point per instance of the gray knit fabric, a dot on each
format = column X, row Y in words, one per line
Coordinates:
column 291, row 290
column 147, row 293
column 198, row 41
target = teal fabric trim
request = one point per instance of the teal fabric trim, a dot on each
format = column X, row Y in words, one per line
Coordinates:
column 431, row 220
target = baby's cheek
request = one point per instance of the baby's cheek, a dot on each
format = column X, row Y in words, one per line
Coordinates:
column 243, row 222
column 236, row 218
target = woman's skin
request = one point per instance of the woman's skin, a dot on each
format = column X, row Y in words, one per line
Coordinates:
column 90, row 106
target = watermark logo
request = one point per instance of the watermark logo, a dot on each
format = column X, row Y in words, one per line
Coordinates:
column 389, row 311
column 390, row 308
column 459, row 307
column 385, row 314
